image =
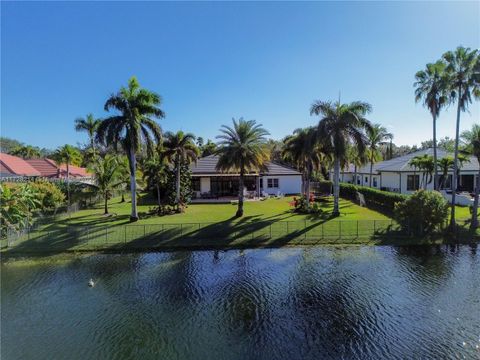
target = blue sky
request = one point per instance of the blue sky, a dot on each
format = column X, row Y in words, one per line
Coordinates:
column 213, row 61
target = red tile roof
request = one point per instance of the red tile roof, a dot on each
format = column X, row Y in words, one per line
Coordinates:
column 49, row 168
column 17, row 166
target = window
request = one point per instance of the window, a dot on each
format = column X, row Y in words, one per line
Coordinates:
column 272, row 183
column 261, row 183
column 374, row 182
column 445, row 183
column 413, row 182
column 366, row 179
column 359, row 181
column 196, row 184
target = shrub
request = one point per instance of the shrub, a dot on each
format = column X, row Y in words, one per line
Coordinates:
column 49, row 195
column 422, row 213
column 381, row 200
column 323, row 187
column 300, row 205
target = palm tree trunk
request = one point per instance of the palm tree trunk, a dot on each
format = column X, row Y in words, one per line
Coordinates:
column 158, row 197
column 68, row 182
column 435, row 175
column 371, row 173
column 240, row 194
column 133, row 184
column 355, row 174
column 106, row 204
column 123, row 198
column 336, row 187
column 474, row 222
column 307, row 190
column 455, row 161
column 177, row 197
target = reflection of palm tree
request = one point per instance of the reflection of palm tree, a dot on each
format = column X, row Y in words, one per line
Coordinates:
column 340, row 125
column 136, row 106
column 242, row 148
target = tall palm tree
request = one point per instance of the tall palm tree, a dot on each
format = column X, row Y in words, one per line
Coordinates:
column 107, row 173
column 26, row 152
column 68, row 155
column 89, row 125
column 341, row 125
column 136, row 107
column 357, row 159
column 377, row 136
column 472, row 139
column 430, row 89
column 242, row 148
column 463, row 85
column 180, row 148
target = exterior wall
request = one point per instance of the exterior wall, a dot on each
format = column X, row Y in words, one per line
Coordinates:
column 287, row 184
column 391, row 181
column 204, row 184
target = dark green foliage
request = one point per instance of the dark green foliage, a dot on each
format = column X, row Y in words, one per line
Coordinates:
column 185, row 185
column 422, row 213
column 323, row 187
column 377, row 199
column 49, row 195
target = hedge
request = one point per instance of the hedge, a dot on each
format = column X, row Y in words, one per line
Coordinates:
column 378, row 199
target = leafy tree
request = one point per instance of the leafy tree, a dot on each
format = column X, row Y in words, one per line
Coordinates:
column 7, row 145
column 67, row 155
column 89, row 125
column 463, row 85
column 357, row 159
column 431, row 90
column 422, row 213
column 180, row 149
column 133, row 123
column 16, row 206
column 26, row 152
column 107, row 172
column 472, row 140
column 170, row 185
column 340, row 126
column 242, row 149
column 49, row 195
column 377, row 135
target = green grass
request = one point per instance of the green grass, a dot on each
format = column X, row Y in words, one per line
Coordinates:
column 269, row 223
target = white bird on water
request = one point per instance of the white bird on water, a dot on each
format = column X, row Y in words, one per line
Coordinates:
column 91, row 283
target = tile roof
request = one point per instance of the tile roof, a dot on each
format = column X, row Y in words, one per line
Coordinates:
column 207, row 166
column 49, row 168
column 17, row 166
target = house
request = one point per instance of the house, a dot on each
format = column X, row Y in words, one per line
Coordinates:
column 399, row 176
column 48, row 168
column 274, row 179
column 15, row 167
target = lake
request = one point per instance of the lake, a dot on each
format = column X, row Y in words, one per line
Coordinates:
column 287, row 303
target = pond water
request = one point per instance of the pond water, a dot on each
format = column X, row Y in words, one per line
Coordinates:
column 291, row 303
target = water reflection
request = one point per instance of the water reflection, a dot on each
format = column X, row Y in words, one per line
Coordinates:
column 296, row 303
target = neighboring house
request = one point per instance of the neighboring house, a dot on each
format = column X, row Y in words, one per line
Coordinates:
column 13, row 166
column 49, row 168
column 16, row 167
column 397, row 175
column 275, row 179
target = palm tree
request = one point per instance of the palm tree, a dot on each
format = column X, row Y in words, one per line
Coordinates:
column 426, row 165
column 446, row 164
column 357, row 159
column 303, row 149
column 430, row 89
column 377, row 136
column 463, row 85
column 339, row 126
column 155, row 171
column 89, row 125
column 472, row 138
column 26, row 152
column 180, row 148
column 107, row 172
column 68, row 155
column 136, row 107
column 242, row 148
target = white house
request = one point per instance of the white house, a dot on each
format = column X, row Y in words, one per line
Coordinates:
column 276, row 178
column 399, row 176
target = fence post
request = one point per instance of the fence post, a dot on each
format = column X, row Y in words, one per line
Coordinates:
column 374, row 226
column 181, row 230
column 144, row 230
column 270, row 231
column 106, row 235
column 322, row 230
column 125, row 232
column 357, row 229
column 340, row 230
column 305, row 229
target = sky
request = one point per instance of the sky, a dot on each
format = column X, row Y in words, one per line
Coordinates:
column 214, row 61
